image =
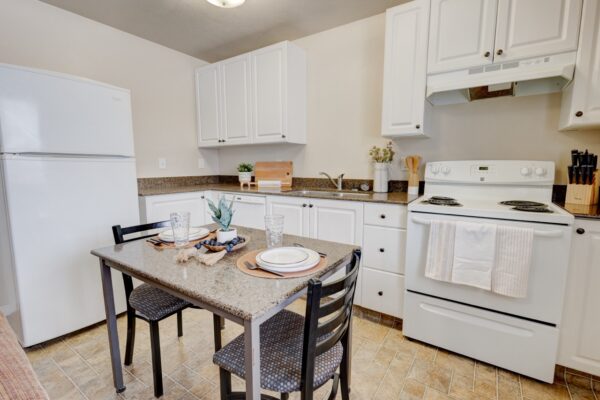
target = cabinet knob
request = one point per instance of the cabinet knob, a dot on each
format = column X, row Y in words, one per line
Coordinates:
column 239, row 198
column 381, row 250
column 487, row 54
column 283, row 136
column 380, row 293
column 382, row 216
column 310, row 206
column 304, row 205
column 579, row 114
column 500, row 52
column 580, row 231
column 418, row 126
column 202, row 197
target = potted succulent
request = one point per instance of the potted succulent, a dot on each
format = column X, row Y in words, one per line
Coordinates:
column 222, row 215
column 245, row 172
column 382, row 158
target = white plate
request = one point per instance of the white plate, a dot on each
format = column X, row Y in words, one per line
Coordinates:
column 195, row 233
column 313, row 259
column 284, row 256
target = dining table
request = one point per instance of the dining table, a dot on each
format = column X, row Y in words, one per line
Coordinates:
column 222, row 289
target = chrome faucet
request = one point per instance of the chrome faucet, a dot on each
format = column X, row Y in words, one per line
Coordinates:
column 340, row 180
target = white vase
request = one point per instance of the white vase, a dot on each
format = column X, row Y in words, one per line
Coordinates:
column 245, row 177
column 380, row 178
column 226, row 236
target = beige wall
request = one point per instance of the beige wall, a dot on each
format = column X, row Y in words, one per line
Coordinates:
column 161, row 80
column 345, row 67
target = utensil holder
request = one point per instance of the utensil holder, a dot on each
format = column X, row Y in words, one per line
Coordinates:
column 583, row 194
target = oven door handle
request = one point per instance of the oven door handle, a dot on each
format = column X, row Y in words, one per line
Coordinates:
column 545, row 234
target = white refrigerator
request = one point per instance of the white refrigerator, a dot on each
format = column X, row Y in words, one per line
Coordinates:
column 67, row 174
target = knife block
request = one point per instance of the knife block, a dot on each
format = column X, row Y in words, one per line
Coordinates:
column 583, row 194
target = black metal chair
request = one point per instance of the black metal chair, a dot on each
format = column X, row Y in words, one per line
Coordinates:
column 298, row 353
column 148, row 303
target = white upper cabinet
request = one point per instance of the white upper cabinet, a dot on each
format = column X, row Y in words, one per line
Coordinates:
column 260, row 97
column 581, row 99
column 474, row 33
column 405, row 64
column 531, row 28
column 207, row 105
column 235, row 106
column 269, row 107
column 461, row 34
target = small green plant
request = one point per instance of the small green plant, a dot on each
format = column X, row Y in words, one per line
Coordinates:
column 245, row 167
column 222, row 214
column 382, row 155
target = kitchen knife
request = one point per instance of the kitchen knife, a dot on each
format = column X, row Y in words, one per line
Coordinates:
column 590, row 174
column 570, row 172
column 576, row 173
column 574, row 156
column 584, row 175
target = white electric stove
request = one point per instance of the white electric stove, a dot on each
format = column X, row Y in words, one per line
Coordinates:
column 518, row 334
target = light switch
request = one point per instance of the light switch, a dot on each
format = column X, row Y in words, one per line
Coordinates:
column 162, row 163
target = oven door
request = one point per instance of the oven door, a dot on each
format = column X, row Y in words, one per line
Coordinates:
column 547, row 275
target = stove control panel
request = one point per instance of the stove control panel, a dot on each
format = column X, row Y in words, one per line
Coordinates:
column 491, row 172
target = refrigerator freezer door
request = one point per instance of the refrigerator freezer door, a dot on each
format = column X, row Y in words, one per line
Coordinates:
column 58, row 210
column 45, row 112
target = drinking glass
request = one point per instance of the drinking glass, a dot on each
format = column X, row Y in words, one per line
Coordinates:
column 180, row 223
column 274, row 230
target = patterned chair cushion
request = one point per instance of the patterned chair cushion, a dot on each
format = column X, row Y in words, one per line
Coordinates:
column 155, row 303
column 281, row 342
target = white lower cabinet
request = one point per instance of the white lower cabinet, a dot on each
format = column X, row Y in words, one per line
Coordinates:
column 580, row 327
column 249, row 211
column 384, row 248
column 159, row 207
column 383, row 291
column 294, row 211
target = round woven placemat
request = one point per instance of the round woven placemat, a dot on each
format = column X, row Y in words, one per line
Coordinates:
column 259, row 273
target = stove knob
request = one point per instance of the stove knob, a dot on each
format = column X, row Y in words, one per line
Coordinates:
column 445, row 170
column 435, row 169
column 525, row 171
column 539, row 171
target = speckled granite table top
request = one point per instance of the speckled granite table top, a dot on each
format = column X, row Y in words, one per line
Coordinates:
column 391, row 197
column 222, row 285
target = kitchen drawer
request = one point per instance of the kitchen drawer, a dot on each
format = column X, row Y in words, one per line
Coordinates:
column 384, row 248
column 383, row 292
column 393, row 216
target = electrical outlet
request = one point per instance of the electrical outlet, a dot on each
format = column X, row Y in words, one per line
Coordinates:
column 201, row 163
column 162, row 163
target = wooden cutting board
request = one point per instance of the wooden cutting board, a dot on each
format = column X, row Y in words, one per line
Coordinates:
column 274, row 171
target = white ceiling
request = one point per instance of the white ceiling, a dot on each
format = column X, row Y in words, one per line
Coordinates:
column 210, row 33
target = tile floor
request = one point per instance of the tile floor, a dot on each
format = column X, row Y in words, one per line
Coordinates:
column 385, row 366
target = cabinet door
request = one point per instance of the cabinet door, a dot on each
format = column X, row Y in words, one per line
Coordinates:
column 159, row 208
column 336, row 221
column 531, row 28
column 580, row 107
column 383, row 292
column 235, row 100
column 294, row 211
column 405, row 66
column 249, row 211
column 268, row 89
column 207, row 105
column 461, row 34
column 580, row 328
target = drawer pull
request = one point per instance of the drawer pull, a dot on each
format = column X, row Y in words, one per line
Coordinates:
column 580, row 231
column 310, row 206
column 382, row 216
column 380, row 293
column 304, row 205
column 381, row 250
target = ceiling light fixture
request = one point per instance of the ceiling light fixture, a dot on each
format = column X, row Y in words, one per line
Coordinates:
column 226, row 3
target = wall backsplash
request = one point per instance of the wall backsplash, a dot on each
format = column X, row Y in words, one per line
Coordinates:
column 345, row 66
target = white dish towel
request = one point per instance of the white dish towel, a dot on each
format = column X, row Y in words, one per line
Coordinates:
column 474, row 254
column 440, row 251
column 513, row 261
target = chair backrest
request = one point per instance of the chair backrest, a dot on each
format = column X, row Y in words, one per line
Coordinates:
column 119, row 232
column 331, row 303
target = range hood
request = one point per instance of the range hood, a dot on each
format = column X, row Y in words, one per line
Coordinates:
column 532, row 76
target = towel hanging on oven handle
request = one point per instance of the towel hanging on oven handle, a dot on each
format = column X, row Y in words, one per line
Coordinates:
column 547, row 234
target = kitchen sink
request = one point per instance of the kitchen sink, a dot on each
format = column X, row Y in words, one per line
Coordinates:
column 324, row 193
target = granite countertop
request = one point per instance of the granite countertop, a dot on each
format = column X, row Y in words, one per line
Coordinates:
column 581, row 211
column 391, row 197
column 222, row 285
